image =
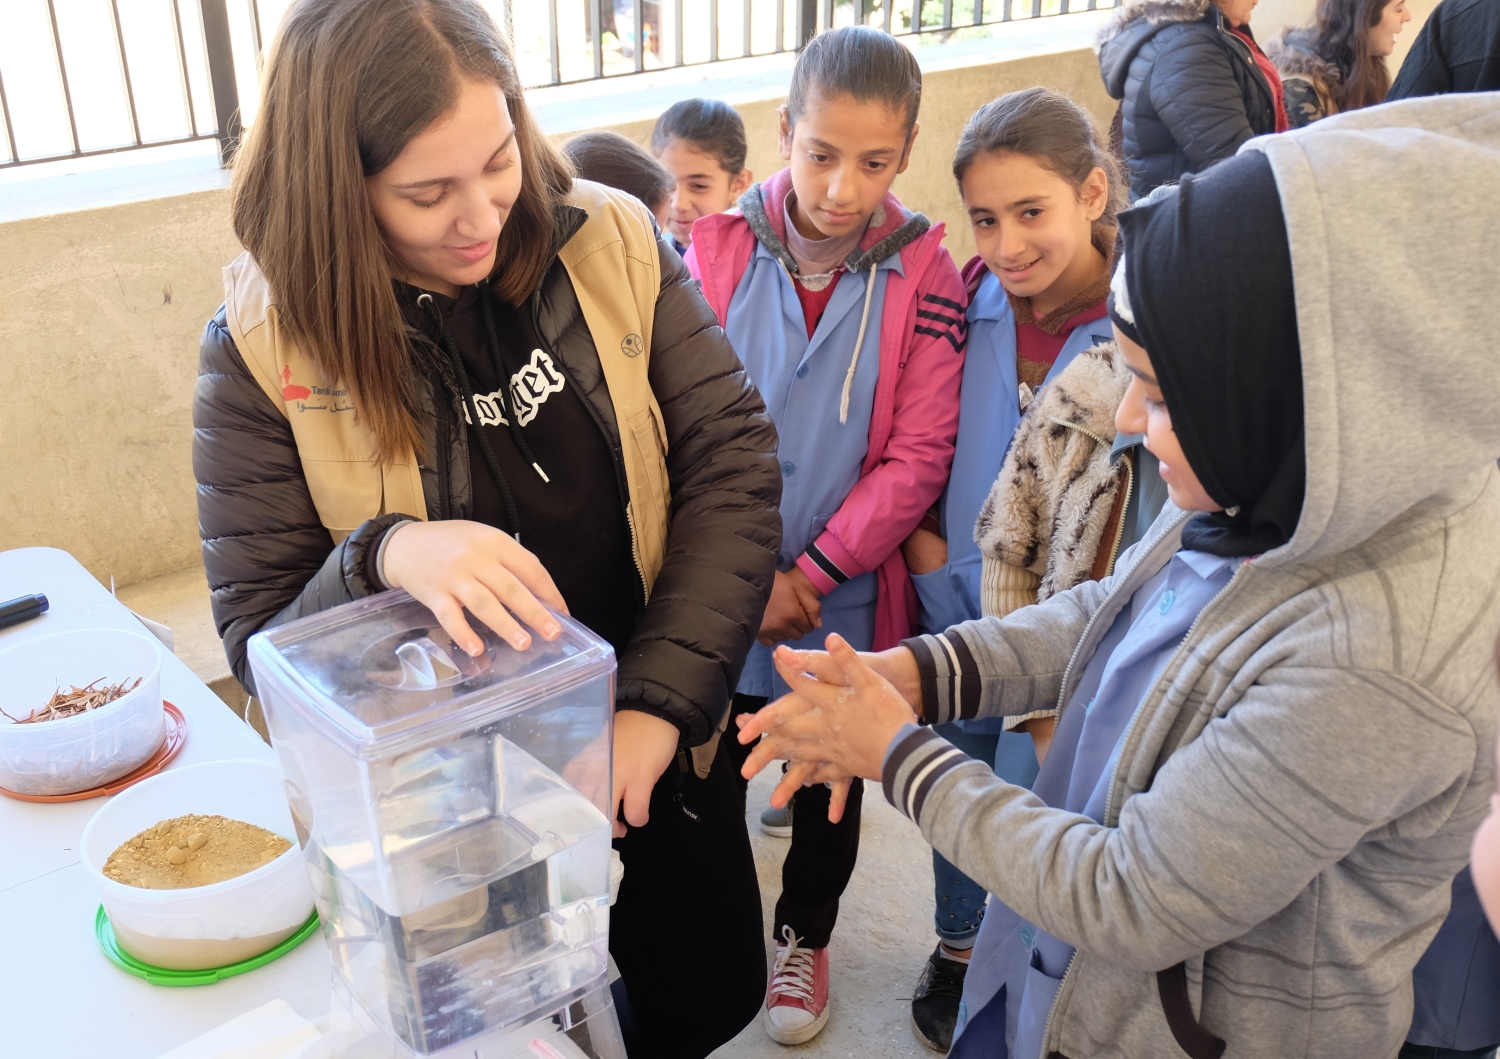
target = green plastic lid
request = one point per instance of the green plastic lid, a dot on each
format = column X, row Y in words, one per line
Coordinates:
column 164, row 976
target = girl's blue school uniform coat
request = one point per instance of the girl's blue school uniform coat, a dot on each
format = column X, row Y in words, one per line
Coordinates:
column 801, row 380
column 989, row 412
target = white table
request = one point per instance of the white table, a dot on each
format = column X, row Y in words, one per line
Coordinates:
column 61, row 997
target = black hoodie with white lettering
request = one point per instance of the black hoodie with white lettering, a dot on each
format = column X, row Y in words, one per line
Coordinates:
column 551, row 454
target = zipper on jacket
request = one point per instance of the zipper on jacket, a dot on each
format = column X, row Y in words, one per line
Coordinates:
column 1057, row 997
column 621, row 482
column 1114, row 549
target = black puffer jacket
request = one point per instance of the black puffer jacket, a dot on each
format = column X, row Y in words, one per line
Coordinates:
column 1456, row 50
column 270, row 560
column 1189, row 90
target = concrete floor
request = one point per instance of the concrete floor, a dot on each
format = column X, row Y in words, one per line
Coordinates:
column 884, row 936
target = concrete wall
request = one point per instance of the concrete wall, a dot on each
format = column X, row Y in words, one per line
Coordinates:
column 100, row 313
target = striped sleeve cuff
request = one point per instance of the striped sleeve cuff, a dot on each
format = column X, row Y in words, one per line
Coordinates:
column 828, row 564
column 916, row 759
column 949, row 675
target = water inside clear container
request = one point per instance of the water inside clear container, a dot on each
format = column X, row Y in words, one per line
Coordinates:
column 487, row 900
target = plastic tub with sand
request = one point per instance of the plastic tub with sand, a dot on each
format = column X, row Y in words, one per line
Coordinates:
column 200, row 923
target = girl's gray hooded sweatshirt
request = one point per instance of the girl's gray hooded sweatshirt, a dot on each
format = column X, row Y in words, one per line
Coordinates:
column 1295, row 794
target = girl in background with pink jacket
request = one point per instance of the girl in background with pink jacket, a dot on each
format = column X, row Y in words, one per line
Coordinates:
column 849, row 316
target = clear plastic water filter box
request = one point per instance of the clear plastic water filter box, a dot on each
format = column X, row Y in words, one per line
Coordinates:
column 453, row 810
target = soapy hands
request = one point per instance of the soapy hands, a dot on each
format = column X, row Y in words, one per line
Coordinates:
column 454, row 564
column 795, row 609
column 843, row 711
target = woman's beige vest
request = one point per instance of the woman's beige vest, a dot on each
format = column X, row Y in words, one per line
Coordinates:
column 612, row 261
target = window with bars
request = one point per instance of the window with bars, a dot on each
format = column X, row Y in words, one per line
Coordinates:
column 89, row 77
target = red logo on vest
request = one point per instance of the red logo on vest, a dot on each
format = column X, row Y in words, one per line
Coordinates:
column 290, row 392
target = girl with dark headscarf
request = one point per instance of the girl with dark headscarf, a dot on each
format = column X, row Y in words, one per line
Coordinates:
column 1277, row 714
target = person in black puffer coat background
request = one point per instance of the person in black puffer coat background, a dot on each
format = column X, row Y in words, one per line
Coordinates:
column 1192, row 85
column 1456, row 50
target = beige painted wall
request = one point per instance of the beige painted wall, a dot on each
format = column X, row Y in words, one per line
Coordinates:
column 100, row 313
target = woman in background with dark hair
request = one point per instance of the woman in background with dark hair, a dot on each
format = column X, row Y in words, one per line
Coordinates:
column 1338, row 63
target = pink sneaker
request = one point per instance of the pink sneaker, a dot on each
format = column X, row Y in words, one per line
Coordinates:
column 797, row 1001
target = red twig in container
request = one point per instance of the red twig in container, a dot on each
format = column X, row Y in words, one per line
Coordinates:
column 79, row 700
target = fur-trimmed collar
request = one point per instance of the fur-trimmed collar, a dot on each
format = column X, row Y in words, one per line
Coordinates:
column 1294, row 53
column 892, row 226
column 1156, row 12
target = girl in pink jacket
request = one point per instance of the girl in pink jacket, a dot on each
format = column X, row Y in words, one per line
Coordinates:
column 849, row 316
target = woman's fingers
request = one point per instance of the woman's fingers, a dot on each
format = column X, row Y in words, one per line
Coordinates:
column 482, row 603
column 517, row 598
column 450, row 615
column 764, row 753
column 637, row 802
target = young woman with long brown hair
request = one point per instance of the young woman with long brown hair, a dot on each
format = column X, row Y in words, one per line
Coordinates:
column 1338, row 63
column 445, row 365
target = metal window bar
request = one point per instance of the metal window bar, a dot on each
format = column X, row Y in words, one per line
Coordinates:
column 255, row 41
column 135, row 121
column 182, row 70
column 62, row 72
column 806, row 17
column 638, row 11
column 10, row 135
column 221, row 76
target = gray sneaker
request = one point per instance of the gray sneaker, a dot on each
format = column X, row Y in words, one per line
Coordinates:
column 777, row 822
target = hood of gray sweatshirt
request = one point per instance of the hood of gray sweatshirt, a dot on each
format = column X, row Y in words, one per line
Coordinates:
column 1294, row 796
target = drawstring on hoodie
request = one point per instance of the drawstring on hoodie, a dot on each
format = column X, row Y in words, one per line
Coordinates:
column 511, row 420
column 859, row 342
column 512, row 513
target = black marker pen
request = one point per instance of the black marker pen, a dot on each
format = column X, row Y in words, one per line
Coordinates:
column 22, row 608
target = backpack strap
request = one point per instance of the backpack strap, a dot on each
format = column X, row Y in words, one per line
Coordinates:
column 1191, row 1037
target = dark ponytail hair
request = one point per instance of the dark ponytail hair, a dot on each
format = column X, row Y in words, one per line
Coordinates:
column 862, row 62
column 1052, row 129
column 610, row 159
column 710, row 125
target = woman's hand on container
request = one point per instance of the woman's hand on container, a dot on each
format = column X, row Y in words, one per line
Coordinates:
column 455, row 564
column 644, row 748
column 838, row 720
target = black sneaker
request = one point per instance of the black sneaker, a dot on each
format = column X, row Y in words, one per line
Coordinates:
column 934, row 1005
